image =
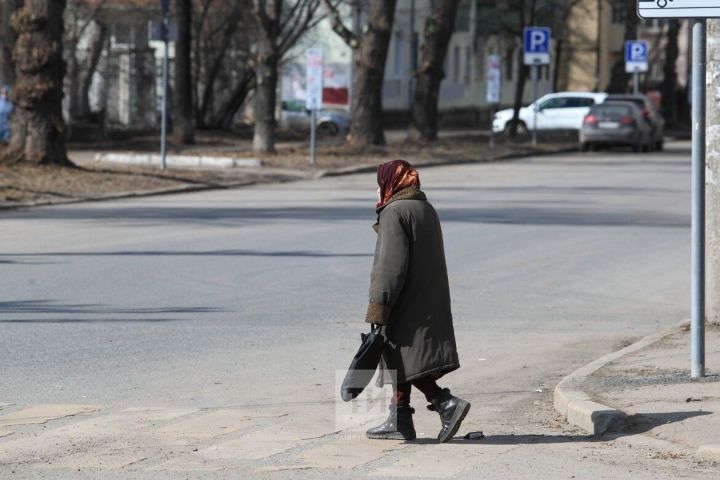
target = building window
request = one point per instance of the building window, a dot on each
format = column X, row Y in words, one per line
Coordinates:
column 619, row 11
column 462, row 17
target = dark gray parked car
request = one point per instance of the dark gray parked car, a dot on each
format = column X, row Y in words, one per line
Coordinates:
column 294, row 116
column 650, row 113
column 616, row 124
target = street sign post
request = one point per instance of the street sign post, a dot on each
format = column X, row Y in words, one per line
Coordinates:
column 165, row 31
column 314, row 93
column 536, row 52
column 700, row 10
column 493, row 89
column 678, row 8
column 636, row 61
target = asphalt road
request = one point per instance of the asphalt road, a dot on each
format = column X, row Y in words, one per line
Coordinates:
column 254, row 298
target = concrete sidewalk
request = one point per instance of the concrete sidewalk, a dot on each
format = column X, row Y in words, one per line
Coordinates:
column 646, row 389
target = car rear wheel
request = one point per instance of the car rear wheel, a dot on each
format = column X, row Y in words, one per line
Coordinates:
column 659, row 145
column 585, row 147
column 327, row 128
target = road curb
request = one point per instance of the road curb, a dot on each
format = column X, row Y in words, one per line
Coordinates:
column 576, row 406
column 130, row 158
column 138, row 194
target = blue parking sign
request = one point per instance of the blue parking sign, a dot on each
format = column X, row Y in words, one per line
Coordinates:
column 636, row 56
column 536, row 45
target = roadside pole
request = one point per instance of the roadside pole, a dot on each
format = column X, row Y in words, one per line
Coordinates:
column 636, row 61
column 636, row 83
column 493, row 90
column 536, row 52
column 313, row 133
column 536, row 94
column 699, row 57
column 166, row 52
column 699, row 14
column 492, row 127
column 314, row 72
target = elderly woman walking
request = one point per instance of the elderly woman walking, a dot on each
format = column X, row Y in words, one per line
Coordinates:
column 410, row 298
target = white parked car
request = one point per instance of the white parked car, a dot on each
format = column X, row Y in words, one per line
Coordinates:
column 555, row 111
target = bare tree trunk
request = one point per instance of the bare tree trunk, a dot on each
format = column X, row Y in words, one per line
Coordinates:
column 73, row 74
column 226, row 114
column 712, row 188
column 669, row 87
column 208, row 95
column 266, row 78
column 38, row 128
column 559, row 50
column 183, row 73
column 269, row 15
column 522, row 72
column 98, row 46
column 7, row 40
column 619, row 79
column 439, row 27
column 370, row 57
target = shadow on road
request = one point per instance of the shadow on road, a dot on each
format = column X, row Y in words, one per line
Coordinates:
column 49, row 307
column 234, row 217
column 633, row 425
column 191, row 253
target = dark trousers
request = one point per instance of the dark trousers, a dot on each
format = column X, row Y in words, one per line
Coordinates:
column 427, row 385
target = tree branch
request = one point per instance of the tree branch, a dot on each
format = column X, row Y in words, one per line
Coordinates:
column 338, row 27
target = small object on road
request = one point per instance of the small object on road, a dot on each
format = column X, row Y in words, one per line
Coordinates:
column 538, row 390
column 481, row 359
column 474, row 436
column 691, row 399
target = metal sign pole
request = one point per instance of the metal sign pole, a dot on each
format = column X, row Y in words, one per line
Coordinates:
column 164, row 127
column 313, row 120
column 535, row 107
column 492, row 130
column 697, row 349
column 636, row 83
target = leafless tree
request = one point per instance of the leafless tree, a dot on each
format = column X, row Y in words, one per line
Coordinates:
column 183, row 73
column 281, row 24
column 439, row 27
column 38, row 128
column 223, row 34
column 619, row 78
column 82, row 18
column 7, row 40
column 370, row 48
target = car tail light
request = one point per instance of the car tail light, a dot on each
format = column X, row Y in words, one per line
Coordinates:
column 590, row 120
column 627, row 120
column 646, row 113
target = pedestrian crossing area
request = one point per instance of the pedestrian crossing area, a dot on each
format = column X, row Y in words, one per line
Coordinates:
column 247, row 440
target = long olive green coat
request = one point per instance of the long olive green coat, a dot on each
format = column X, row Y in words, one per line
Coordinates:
column 409, row 291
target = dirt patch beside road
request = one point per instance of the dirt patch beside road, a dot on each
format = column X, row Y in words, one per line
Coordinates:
column 26, row 185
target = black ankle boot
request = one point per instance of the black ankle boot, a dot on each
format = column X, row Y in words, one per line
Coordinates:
column 398, row 426
column 452, row 412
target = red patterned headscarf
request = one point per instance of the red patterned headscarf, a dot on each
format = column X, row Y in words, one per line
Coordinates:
column 395, row 176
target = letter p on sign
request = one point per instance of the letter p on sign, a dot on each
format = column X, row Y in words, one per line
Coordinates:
column 537, row 41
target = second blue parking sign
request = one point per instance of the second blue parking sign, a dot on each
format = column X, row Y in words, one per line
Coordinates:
column 536, row 45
